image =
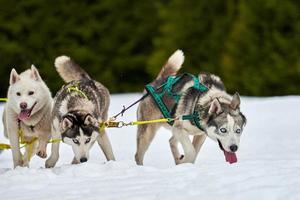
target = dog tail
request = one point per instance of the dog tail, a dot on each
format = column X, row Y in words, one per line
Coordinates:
column 172, row 66
column 69, row 70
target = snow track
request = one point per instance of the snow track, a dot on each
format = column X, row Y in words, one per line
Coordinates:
column 268, row 164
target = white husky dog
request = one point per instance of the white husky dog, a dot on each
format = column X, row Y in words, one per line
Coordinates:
column 27, row 111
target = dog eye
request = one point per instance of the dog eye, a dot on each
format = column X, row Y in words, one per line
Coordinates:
column 75, row 141
column 223, row 130
column 30, row 93
column 18, row 94
column 88, row 140
column 238, row 131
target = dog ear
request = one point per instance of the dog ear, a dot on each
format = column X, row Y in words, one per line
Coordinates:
column 35, row 73
column 215, row 107
column 236, row 101
column 14, row 77
column 89, row 119
column 66, row 124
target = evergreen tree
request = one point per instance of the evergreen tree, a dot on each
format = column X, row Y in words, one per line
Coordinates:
column 262, row 51
column 254, row 46
column 110, row 39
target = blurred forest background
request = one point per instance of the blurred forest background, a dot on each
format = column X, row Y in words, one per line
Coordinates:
column 254, row 46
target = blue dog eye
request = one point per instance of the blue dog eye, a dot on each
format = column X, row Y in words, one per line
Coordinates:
column 223, row 130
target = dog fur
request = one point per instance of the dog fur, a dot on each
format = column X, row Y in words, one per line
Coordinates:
column 75, row 118
column 220, row 115
column 28, row 108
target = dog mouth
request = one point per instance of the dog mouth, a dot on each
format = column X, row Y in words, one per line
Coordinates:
column 229, row 156
column 26, row 113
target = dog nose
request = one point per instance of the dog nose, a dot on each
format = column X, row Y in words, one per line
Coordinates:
column 23, row 105
column 82, row 160
column 233, row 148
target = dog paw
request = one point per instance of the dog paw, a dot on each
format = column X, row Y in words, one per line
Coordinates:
column 25, row 164
column 19, row 163
column 179, row 160
column 75, row 161
column 181, row 157
column 42, row 154
column 49, row 164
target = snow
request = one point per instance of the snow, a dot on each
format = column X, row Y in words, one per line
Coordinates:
column 268, row 163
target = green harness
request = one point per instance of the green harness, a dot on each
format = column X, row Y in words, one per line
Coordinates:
column 167, row 88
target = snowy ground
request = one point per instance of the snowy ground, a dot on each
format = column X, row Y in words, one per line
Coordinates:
column 268, row 166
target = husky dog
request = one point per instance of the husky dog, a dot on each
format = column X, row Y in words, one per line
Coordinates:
column 219, row 115
column 27, row 110
column 78, row 108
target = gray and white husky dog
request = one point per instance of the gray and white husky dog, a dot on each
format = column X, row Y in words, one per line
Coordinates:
column 78, row 108
column 219, row 114
column 28, row 109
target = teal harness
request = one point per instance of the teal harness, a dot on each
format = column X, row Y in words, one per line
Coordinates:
column 167, row 91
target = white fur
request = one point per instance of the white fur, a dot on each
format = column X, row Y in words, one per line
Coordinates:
column 188, row 85
column 14, row 77
column 214, row 93
column 82, row 149
column 60, row 61
column 176, row 59
column 18, row 92
column 230, row 137
column 24, row 85
column 183, row 137
column 88, row 105
column 64, row 106
column 215, row 107
column 216, row 78
column 230, row 123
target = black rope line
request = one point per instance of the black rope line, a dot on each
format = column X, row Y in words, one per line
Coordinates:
column 125, row 109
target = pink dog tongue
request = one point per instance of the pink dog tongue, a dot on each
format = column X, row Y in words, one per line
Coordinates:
column 230, row 157
column 24, row 114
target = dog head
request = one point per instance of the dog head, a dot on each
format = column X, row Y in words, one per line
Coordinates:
column 27, row 93
column 80, row 130
column 225, row 126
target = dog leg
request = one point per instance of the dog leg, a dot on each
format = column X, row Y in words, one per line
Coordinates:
column 188, row 148
column 15, row 148
column 174, row 148
column 198, row 141
column 75, row 161
column 145, row 135
column 30, row 150
column 51, row 161
column 42, row 147
column 4, row 123
column 183, row 137
column 105, row 145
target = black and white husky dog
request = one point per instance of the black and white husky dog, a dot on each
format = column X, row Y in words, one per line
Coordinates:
column 78, row 108
column 218, row 112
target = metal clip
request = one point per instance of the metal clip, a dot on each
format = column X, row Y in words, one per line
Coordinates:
column 122, row 124
column 111, row 124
